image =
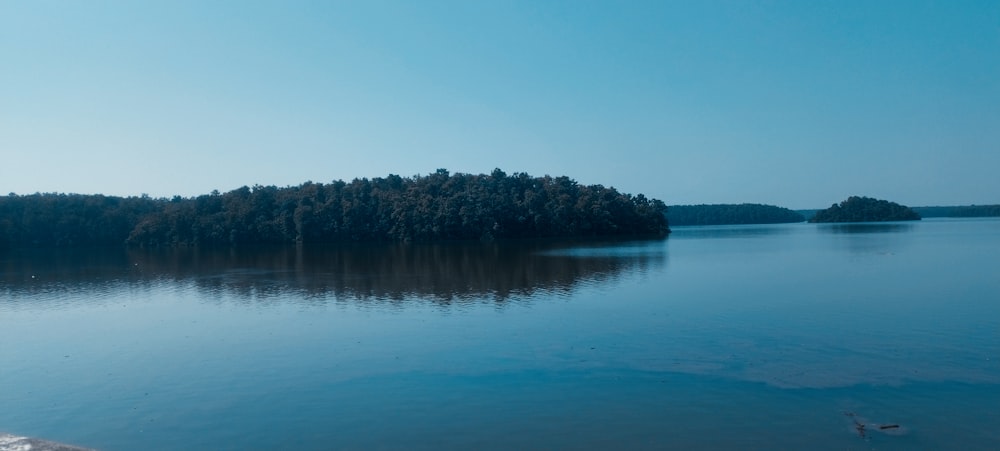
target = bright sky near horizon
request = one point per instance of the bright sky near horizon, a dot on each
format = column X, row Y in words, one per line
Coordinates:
column 794, row 103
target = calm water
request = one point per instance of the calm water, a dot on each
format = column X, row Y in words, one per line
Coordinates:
column 747, row 337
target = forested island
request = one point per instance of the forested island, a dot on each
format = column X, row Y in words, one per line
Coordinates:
column 865, row 209
column 725, row 214
column 438, row 206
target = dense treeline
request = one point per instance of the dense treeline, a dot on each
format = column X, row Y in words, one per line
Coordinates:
column 808, row 213
column 723, row 214
column 865, row 209
column 964, row 211
column 439, row 206
column 62, row 220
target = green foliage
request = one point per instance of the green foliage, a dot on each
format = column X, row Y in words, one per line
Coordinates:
column 722, row 214
column 438, row 206
column 70, row 219
column 865, row 209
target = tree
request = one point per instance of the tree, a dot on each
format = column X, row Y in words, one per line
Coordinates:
column 865, row 209
column 438, row 206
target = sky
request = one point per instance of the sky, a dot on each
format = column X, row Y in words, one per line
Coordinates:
column 793, row 103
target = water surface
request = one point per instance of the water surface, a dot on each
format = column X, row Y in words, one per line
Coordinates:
column 736, row 337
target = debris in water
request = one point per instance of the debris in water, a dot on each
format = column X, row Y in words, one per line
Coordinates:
column 862, row 426
column 861, row 429
column 859, row 426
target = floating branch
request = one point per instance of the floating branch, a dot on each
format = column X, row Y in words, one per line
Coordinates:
column 863, row 427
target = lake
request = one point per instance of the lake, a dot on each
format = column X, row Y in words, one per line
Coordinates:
column 794, row 336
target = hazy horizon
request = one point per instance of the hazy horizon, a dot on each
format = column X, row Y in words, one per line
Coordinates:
column 795, row 104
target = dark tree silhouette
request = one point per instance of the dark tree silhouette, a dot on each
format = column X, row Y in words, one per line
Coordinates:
column 963, row 211
column 438, row 206
column 865, row 209
column 722, row 214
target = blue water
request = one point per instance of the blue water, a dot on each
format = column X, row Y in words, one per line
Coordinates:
column 737, row 337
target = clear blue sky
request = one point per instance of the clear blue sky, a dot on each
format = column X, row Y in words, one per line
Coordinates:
column 797, row 103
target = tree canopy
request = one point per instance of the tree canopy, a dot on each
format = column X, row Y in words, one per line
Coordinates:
column 865, row 209
column 438, row 206
column 723, row 214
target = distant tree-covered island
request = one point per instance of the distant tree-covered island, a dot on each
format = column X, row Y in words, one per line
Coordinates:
column 865, row 209
column 959, row 211
column 438, row 206
column 725, row 214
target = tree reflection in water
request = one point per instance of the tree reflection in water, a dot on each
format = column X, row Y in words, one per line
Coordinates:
column 443, row 273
